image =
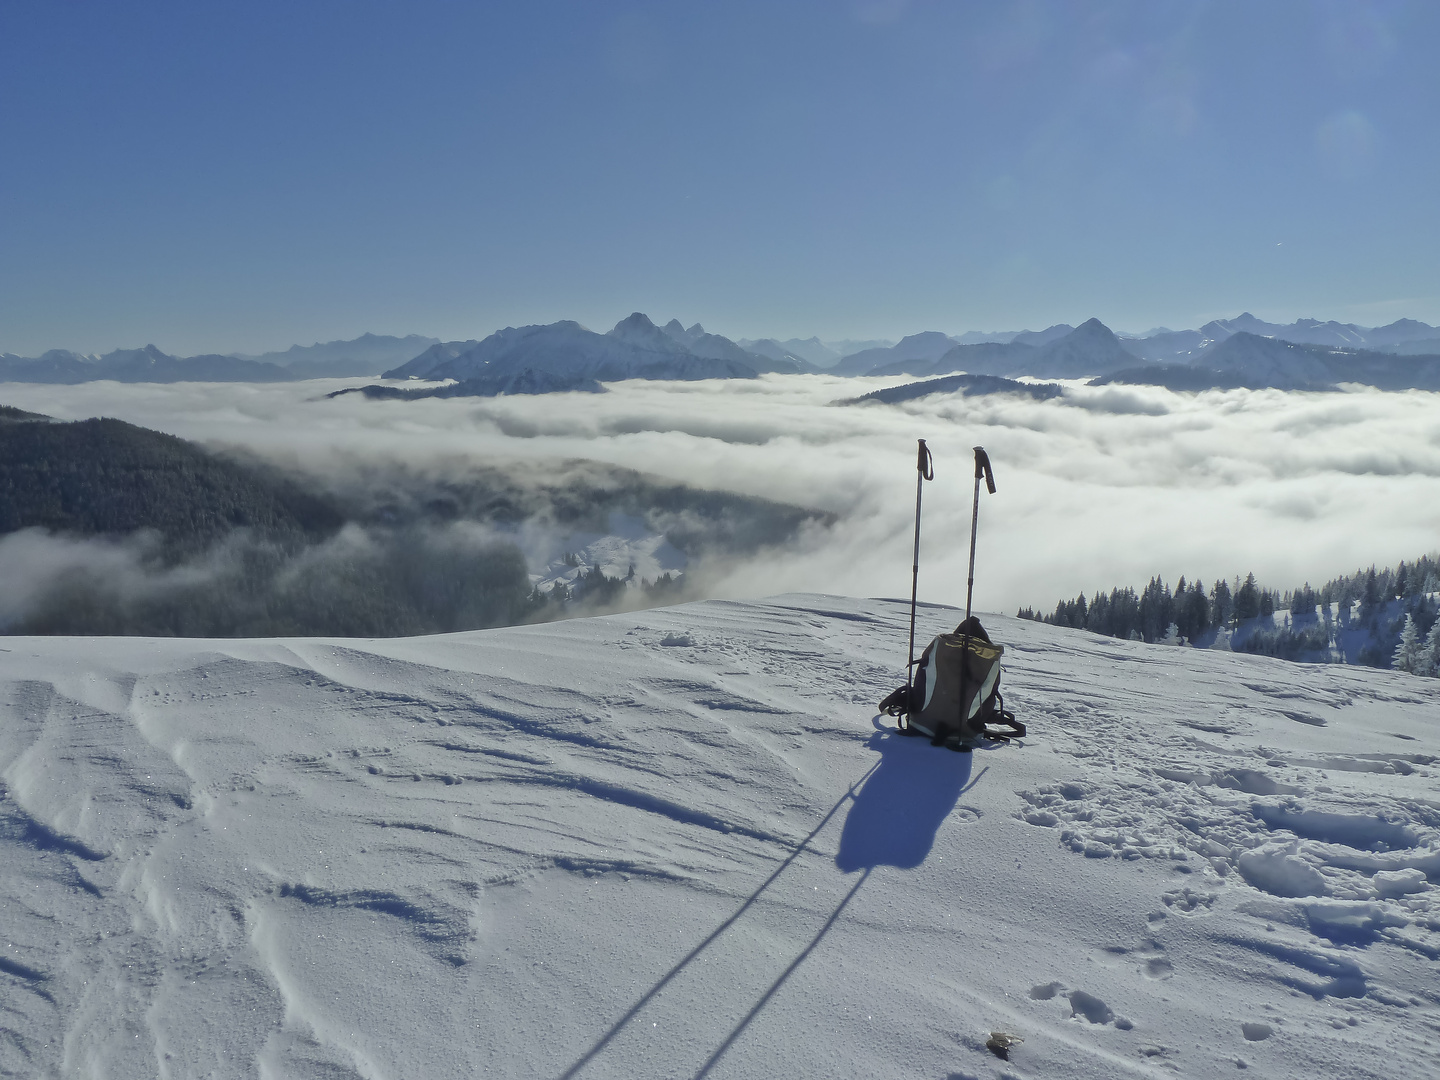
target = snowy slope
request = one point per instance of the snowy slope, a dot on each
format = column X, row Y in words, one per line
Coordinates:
column 680, row 843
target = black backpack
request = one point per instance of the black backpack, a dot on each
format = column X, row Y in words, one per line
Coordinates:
column 955, row 693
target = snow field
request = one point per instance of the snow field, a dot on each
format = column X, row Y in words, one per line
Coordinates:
column 679, row 843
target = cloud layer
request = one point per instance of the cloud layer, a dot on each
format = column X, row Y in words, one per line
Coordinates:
column 1103, row 486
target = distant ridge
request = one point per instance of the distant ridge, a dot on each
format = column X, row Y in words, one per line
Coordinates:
column 637, row 348
column 634, row 349
column 369, row 354
column 1248, row 360
column 528, row 381
column 366, row 355
column 930, row 345
column 966, row 385
column 1079, row 352
column 1215, row 357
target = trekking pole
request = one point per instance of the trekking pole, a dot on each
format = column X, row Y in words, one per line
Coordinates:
column 924, row 470
column 982, row 468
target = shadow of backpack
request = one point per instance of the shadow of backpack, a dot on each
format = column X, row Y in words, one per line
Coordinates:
column 954, row 697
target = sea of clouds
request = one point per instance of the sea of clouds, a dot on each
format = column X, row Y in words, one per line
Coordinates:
column 1100, row 487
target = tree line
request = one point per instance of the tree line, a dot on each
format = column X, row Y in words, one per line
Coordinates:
column 1397, row 606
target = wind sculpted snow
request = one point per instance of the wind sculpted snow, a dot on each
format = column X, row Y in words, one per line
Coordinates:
column 680, row 842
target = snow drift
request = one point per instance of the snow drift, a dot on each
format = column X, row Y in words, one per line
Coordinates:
column 680, row 842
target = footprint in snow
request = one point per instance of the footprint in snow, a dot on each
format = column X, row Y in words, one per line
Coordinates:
column 1046, row 991
column 1083, row 1006
column 1157, row 967
column 1153, row 962
column 1188, row 901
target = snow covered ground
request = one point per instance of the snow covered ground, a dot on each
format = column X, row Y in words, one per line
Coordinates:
column 680, row 843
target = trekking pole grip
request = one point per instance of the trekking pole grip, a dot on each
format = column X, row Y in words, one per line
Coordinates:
column 982, row 469
column 924, row 463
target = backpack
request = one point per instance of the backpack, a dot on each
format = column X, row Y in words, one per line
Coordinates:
column 955, row 692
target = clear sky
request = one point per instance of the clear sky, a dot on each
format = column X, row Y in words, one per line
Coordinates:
column 242, row 176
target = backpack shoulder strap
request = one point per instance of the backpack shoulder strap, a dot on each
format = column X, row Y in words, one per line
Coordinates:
column 1005, row 718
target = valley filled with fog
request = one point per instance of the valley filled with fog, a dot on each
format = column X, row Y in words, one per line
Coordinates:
column 1098, row 486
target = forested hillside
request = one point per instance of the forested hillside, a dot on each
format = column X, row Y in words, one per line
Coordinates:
column 1357, row 618
column 131, row 531
column 109, row 477
column 109, row 528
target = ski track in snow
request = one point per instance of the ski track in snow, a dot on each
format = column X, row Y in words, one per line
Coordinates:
column 680, row 843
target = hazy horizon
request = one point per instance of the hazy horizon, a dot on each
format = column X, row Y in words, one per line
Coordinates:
column 824, row 338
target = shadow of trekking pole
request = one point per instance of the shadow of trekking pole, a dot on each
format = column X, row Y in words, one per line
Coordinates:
column 892, row 822
column 775, row 986
column 649, row 995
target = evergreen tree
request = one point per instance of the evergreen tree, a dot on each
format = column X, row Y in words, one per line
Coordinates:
column 1345, row 600
column 1222, row 606
column 1308, row 632
column 1247, row 600
column 1098, row 620
column 1407, row 653
column 1124, row 618
column 1196, row 612
column 1369, row 594
column 1428, row 662
column 1154, row 612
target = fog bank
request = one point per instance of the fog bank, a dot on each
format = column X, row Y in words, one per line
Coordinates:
column 1103, row 486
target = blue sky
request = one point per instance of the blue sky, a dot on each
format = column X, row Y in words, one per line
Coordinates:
column 228, row 176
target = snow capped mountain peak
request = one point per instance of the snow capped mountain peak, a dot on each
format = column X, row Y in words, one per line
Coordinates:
column 634, row 348
column 636, row 320
column 1089, row 349
column 637, row 329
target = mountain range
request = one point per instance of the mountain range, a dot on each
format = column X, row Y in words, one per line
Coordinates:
column 1163, row 345
column 1249, row 360
column 1218, row 355
column 365, row 355
column 1061, row 352
column 634, row 349
column 1244, row 351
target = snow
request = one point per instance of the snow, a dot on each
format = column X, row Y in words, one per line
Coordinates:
column 628, row 546
column 680, row 842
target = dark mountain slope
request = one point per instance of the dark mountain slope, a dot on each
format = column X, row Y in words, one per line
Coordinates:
column 964, row 385
column 111, row 478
